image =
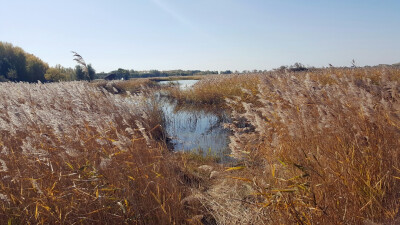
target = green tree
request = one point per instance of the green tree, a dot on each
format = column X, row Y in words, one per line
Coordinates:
column 226, row 72
column 122, row 73
column 79, row 73
column 17, row 65
column 12, row 74
column 13, row 66
column 35, row 68
column 57, row 73
column 91, row 72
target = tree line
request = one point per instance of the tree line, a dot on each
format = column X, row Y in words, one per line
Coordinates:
column 18, row 65
column 128, row 74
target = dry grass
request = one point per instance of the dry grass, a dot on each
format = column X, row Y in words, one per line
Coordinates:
column 322, row 148
column 133, row 86
column 213, row 89
column 72, row 153
column 317, row 147
column 174, row 78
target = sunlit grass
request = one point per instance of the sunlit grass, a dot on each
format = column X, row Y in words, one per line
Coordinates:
column 71, row 153
column 322, row 146
column 212, row 90
column 314, row 147
column 139, row 85
column 202, row 156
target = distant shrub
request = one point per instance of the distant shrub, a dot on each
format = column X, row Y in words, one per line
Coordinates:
column 297, row 67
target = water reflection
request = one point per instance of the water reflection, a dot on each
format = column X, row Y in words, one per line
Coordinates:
column 183, row 84
column 191, row 129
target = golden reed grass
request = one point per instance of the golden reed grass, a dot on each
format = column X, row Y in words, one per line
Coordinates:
column 71, row 153
column 318, row 147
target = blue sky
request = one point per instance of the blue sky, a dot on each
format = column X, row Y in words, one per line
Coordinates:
column 204, row 34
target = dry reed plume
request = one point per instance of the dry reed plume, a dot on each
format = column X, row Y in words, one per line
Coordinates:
column 320, row 147
column 317, row 147
column 133, row 86
column 73, row 153
column 213, row 89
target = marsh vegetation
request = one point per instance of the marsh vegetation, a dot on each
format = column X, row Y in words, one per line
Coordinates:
column 310, row 147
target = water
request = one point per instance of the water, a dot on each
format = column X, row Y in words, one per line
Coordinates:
column 192, row 129
column 183, row 84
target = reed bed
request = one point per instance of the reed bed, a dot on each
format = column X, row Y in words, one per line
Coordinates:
column 133, row 86
column 314, row 147
column 213, row 89
column 318, row 147
column 72, row 153
column 175, row 78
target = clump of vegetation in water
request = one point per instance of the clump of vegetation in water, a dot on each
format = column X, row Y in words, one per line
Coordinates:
column 212, row 90
column 133, row 86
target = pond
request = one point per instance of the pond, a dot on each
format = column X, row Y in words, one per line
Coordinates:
column 183, row 84
column 193, row 128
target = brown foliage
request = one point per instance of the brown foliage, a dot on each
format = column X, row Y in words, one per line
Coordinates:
column 71, row 153
column 323, row 146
